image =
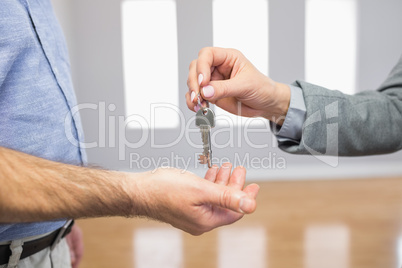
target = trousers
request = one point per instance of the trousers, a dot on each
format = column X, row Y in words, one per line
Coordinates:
column 58, row 258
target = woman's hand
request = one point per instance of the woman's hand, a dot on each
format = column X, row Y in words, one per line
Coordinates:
column 228, row 79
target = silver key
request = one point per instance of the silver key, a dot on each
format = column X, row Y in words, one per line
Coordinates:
column 205, row 120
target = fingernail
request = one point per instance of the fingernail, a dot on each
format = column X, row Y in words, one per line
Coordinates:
column 192, row 96
column 200, row 78
column 245, row 204
column 226, row 165
column 196, row 108
column 208, row 91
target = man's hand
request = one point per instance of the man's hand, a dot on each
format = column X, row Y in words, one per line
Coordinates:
column 76, row 245
column 45, row 190
column 226, row 78
column 197, row 205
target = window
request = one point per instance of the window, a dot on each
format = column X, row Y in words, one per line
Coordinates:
column 331, row 44
column 150, row 60
column 243, row 25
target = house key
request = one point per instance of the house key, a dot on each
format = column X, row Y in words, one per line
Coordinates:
column 205, row 120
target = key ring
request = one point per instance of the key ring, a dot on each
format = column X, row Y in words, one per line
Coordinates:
column 200, row 102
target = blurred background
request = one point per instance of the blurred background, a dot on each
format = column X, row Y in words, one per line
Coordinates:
column 129, row 62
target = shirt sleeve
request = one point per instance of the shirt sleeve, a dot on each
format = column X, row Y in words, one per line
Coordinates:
column 291, row 129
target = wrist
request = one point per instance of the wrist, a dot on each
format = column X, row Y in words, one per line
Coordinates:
column 281, row 101
column 147, row 189
column 135, row 187
column 161, row 190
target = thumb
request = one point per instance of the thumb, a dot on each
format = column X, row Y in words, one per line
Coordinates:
column 217, row 90
column 236, row 200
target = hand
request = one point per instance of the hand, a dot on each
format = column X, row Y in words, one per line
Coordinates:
column 225, row 77
column 198, row 205
column 76, row 245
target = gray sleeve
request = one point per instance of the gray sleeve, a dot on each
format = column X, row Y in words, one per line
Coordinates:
column 291, row 129
column 366, row 123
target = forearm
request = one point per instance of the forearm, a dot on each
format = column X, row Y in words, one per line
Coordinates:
column 365, row 124
column 35, row 189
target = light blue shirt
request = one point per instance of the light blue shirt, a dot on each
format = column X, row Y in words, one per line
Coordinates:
column 36, row 94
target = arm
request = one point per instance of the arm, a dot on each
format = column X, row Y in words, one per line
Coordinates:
column 35, row 189
column 366, row 123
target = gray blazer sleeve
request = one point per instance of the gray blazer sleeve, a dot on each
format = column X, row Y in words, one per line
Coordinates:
column 366, row 123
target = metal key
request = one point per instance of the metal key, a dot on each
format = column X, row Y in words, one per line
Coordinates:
column 205, row 120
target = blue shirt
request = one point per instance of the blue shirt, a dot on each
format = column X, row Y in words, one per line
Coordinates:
column 36, row 94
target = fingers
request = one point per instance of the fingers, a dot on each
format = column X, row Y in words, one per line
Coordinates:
column 252, row 190
column 211, row 173
column 193, row 87
column 192, row 106
column 72, row 256
column 217, row 90
column 248, row 205
column 193, row 83
column 223, row 175
column 230, row 194
column 76, row 245
column 232, row 199
column 211, row 57
column 238, row 178
column 200, row 73
column 225, row 197
column 227, row 63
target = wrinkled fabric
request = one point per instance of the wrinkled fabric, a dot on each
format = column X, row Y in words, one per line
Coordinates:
column 367, row 123
column 36, row 94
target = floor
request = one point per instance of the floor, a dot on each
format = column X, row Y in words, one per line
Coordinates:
column 354, row 223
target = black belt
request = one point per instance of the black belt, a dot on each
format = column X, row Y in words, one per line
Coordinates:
column 34, row 246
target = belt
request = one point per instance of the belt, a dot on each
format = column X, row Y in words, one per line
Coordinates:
column 34, row 246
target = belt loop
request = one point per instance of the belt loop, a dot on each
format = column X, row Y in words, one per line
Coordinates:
column 16, row 251
column 60, row 234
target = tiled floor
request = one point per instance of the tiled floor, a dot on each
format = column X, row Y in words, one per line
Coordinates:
column 311, row 224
